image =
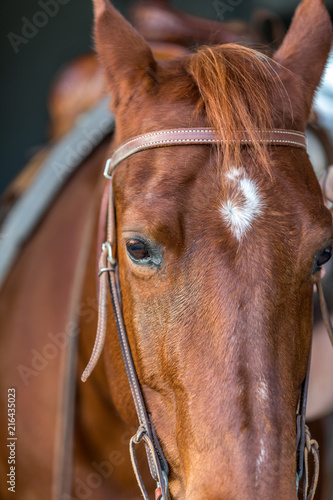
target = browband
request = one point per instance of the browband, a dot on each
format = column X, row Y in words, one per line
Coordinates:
column 187, row 136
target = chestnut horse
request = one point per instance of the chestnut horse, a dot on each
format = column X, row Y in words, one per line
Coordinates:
column 218, row 243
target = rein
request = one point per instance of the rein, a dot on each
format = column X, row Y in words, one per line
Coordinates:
column 109, row 279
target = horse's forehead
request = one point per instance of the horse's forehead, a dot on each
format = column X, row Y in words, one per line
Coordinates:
column 196, row 173
column 193, row 174
column 172, row 190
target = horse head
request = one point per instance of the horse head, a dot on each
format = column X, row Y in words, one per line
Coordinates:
column 219, row 248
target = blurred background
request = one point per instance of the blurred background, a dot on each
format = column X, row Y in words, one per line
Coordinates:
column 34, row 47
column 38, row 39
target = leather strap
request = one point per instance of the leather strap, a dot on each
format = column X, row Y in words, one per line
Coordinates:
column 109, row 274
column 304, row 443
column 188, row 136
column 301, row 425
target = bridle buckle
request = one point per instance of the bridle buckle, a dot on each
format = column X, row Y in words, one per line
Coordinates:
column 107, row 246
column 107, row 170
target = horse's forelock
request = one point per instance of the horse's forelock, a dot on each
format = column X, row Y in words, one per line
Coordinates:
column 236, row 86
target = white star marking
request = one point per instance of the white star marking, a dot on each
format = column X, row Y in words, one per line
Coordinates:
column 243, row 206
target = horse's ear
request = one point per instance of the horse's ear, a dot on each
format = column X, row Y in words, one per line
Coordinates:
column 125, row 56
column 304, row 53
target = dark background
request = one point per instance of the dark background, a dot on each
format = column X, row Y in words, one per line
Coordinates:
column 26, row 74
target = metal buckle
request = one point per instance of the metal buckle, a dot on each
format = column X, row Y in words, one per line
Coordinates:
column 107, row 246
column 107, row 172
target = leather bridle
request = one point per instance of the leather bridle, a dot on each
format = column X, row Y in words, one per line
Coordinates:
column 197, row 136
column 109, row 280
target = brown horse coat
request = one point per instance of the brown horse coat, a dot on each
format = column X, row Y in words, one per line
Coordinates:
column 220, row 365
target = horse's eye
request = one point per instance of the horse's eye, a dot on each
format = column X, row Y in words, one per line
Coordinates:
column 137, row 250
column 323, row 257
column 144, row 253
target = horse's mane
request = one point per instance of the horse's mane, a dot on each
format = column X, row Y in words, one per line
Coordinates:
column 236, row 86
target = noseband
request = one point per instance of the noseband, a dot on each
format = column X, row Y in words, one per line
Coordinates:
column 109, row 279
